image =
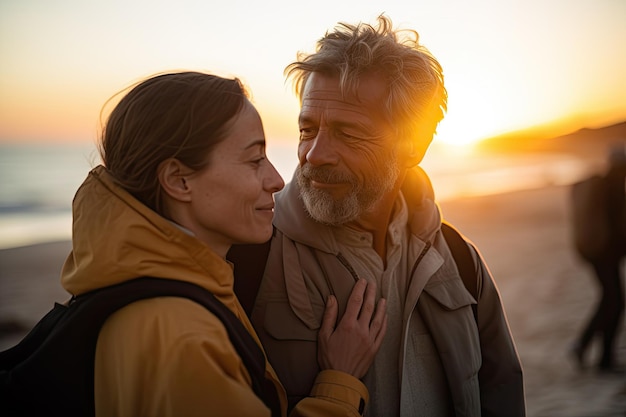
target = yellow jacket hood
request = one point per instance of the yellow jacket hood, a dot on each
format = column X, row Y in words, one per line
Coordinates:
column 116, row 238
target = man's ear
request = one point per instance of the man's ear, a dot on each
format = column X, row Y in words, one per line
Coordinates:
column 414, row 150
column 172, row 176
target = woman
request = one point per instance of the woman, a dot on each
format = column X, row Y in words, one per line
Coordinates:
column 185, row 176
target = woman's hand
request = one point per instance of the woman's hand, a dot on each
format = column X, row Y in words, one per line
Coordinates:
column 352, row 345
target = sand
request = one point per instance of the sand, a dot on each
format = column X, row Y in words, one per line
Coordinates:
column 548, row 293
column 547, row 290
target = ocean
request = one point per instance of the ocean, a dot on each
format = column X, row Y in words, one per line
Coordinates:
column 38, row 182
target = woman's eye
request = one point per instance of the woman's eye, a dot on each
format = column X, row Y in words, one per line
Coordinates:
column 257, row 160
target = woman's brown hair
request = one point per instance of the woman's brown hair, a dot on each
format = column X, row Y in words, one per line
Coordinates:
column 175, row 115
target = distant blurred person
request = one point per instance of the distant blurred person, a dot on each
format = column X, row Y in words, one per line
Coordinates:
column 359, row 206
column 603, row 245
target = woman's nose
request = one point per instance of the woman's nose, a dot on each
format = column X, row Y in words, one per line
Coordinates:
column 274, row 182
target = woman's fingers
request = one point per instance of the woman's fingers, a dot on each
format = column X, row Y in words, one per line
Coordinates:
column 355, row 301
column 368, row 304
column 329, row 320
column 352, row 344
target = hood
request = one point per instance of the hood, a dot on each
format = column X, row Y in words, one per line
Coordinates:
column 294, row 221
column 116, row 238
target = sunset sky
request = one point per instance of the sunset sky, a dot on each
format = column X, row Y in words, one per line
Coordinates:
column 508, row 64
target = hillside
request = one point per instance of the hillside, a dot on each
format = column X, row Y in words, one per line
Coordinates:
column 591, row 143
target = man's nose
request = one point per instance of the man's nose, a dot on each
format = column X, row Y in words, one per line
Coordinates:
column 321, row 150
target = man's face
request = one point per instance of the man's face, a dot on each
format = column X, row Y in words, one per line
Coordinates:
column 348, row 151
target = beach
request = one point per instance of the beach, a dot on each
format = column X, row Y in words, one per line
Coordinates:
column 548, row 293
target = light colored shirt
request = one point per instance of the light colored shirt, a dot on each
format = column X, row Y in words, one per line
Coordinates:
column 421, row 389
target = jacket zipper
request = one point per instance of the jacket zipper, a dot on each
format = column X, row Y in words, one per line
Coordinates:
column 419, row 258
column 349, row 267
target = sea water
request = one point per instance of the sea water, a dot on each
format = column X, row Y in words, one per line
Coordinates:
column 38, row 182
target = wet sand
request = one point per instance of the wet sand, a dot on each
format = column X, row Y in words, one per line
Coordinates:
column 547, row 290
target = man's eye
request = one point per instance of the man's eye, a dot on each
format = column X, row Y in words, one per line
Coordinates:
column 346, row 136
column 307, row 133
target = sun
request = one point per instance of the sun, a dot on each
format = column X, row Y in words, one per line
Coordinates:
column 457, row 135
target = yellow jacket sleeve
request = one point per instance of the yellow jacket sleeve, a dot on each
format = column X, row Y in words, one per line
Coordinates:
column 334, row 393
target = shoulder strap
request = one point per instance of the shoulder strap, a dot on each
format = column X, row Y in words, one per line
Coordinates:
column 249, row 261
column 72, row 343
column 463, row 259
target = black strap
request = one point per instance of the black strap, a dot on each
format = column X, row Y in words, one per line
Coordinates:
column 249, row 261
column 54, row 367
column 463, row 259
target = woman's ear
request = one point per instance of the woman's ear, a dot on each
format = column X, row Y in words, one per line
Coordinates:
column 172, row 177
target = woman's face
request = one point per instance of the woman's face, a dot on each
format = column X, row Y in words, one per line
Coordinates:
column 232, row 197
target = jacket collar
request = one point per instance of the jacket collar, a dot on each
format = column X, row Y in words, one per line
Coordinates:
column 293, row 220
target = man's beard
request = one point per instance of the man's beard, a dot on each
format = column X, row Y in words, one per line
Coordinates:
column 321, row 205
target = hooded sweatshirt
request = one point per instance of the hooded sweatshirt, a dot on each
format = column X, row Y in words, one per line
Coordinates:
column 169, row 356
column 305, row 264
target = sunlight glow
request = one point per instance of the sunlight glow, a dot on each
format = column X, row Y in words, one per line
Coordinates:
column 507, row 65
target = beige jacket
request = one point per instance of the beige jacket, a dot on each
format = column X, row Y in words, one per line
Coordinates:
column 305, row 266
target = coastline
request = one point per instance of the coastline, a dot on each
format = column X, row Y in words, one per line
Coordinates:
column 548, row 293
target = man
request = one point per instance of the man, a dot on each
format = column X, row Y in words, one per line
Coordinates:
column 360, row 207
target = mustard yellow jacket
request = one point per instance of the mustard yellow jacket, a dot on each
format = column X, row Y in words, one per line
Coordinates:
column 169, row 356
